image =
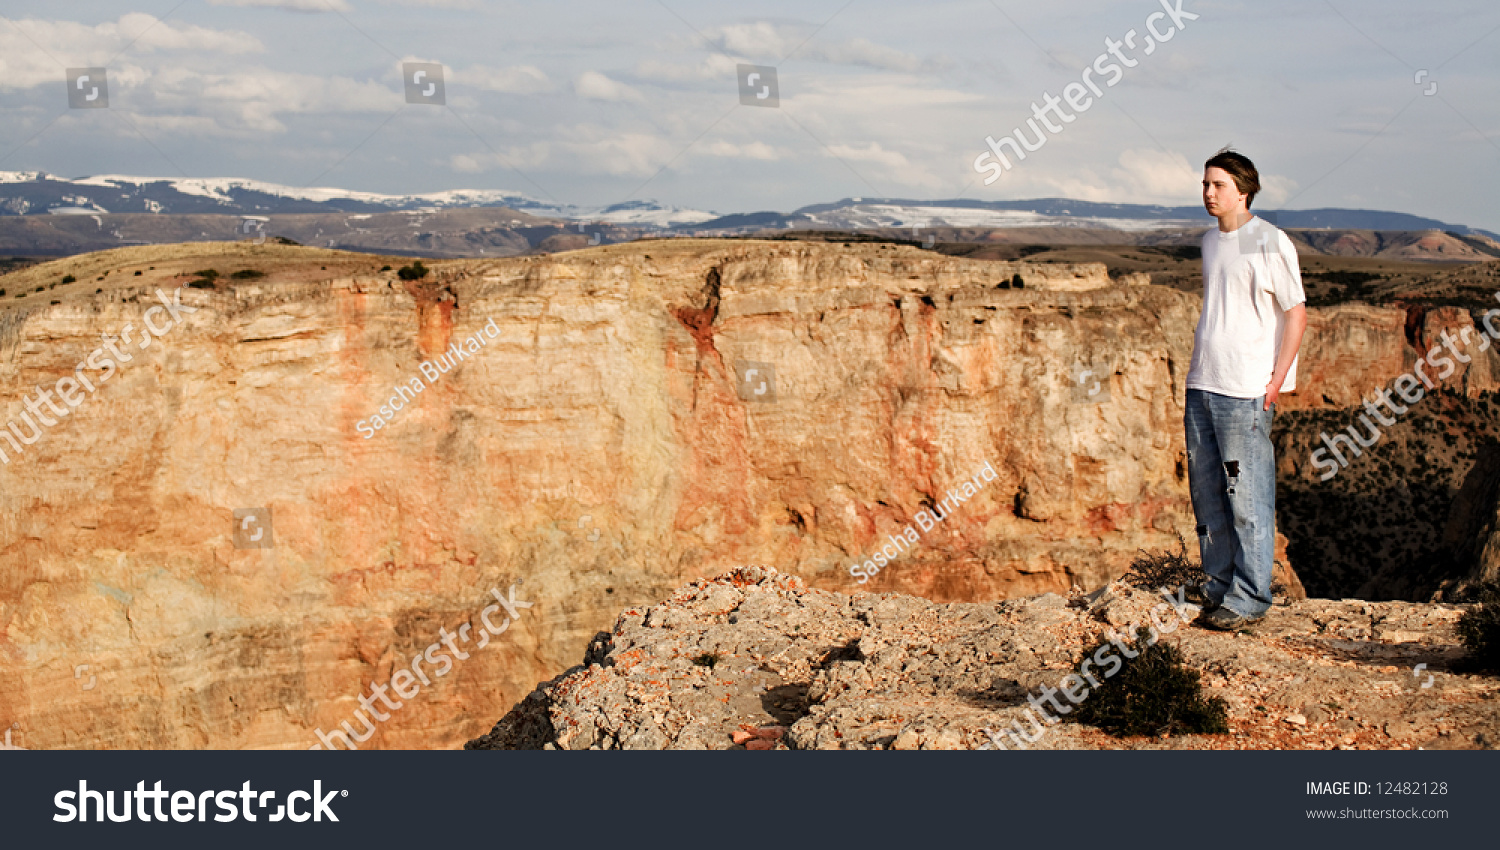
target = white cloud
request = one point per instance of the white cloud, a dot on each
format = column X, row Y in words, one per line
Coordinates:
column 252, row 98
column 890, row 166
column 716, row 66
column 1275, row 190
column 195, row 126
column 1143, row 176
column 1083, row 186
column 881, row 94
column 436, row 4
column 528, row 157
column 871, row 152
column 767, row 43
column 515, row 79
column 31, row 49
column 1160, row 176
column 591, row 149
column 596, row 86
column 752, row 150
column 862, row 52
column 290, row 5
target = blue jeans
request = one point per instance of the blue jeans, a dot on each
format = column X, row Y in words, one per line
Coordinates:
column 1232, row 479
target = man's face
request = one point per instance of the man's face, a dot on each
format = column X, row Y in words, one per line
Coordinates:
column 1220, row 194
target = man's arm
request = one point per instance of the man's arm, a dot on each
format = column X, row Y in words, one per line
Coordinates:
column 1291, row 340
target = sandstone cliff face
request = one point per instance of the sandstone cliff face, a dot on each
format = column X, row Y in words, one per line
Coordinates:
column 1352, row 350
column 1347, row 351
column 603, row 438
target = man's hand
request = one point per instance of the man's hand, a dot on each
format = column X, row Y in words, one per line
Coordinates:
column 1273, row 393
column 1291, row 340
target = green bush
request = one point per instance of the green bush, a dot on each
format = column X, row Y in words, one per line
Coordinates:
column 415, row 271
column 67, row 278
column 1479, row 627
column 1154, row 693
column 247, row 274
column 204, row 279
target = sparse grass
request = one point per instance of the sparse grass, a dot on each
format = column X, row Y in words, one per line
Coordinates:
column 1162, row 568
column 1155, row 693
column 1341, row 277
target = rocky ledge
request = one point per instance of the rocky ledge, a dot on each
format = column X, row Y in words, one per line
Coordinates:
column 754, row 659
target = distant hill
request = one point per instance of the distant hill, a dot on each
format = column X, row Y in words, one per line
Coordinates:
column 42, row 214
column 862, row 213
column 36, row 192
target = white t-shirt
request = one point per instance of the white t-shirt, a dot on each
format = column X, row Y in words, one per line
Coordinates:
column 1250, row 279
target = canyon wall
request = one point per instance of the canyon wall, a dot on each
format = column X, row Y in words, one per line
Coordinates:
column 623, row 419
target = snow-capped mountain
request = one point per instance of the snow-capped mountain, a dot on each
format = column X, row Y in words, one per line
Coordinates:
column 36, row 192
column 865, row 213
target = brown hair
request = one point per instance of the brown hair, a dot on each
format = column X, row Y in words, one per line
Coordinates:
column 1239, row 166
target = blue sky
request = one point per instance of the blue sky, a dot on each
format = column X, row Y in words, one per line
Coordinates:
column 592, row 103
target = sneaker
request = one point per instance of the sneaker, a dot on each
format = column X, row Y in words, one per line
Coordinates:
column 1226, row 620
column 1194, row 594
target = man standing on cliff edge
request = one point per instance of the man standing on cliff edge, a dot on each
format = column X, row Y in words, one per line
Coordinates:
column 1244, row 358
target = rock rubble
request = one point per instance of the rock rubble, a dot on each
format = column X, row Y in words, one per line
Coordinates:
column 753, row 659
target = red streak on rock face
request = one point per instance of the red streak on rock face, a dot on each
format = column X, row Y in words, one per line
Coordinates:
column 1105, row 519
column 699, row 323
column 352, row 356
column 434, row 316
